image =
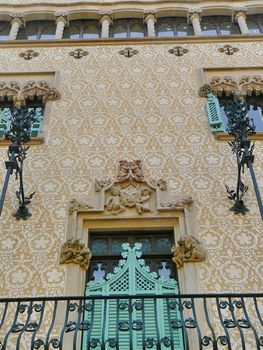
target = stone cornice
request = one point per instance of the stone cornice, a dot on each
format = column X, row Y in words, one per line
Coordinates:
column 134, row 41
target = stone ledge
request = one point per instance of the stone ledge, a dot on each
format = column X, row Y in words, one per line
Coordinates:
column 35, row 141
column 223, row 136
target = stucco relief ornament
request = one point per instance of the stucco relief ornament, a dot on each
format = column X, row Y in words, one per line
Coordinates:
column 205, row 90
column 188, row 249
column 130, row 171
column 75, row 252
column 251, row 84
column 179, row 201
column 225, row 84
column 120, row 199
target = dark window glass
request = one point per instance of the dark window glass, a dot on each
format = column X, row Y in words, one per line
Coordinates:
column 38, row 30
column 218, row 25
column 107, row 247
column 255, row 110
column 128, row 28
column 255, row 24
column 173, row 26
column 81, row 29
column 4, row 30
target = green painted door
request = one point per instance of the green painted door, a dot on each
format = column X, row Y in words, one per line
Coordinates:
column 135, row 323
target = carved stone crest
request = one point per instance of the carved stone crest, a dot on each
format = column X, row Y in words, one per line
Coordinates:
column 188, row 249
column 130, row 194
column 75, row 252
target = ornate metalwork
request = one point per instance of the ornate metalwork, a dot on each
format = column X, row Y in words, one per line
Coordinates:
column 236, row 317
column 19, row 134
column 240, row 126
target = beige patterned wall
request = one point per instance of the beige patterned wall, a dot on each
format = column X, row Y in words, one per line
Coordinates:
column 145, row 107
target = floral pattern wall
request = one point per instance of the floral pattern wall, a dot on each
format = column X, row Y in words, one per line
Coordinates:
column 145, row 107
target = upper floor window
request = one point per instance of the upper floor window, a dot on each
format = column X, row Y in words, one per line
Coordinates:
column 38, row 30
column 173, row 26
column 218, row 25
column 255, row 24
column 4, row 30
column 81, row 29
column 128, row 28
column 35, row 106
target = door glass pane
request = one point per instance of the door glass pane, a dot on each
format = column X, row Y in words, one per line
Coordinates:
column 163, row 244
column 116, row 245
column 184, row 29
column 227, row 28
column 99, row 246
column 91, row 32
column 253, row 24
column 146, row 244
column 208, row 28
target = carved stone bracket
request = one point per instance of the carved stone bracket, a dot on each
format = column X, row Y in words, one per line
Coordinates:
column 130, row 195
column 19, row 94
column 246, row 86
column 188, row 249
column 75, row 252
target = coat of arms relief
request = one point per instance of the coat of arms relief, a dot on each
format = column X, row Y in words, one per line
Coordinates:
column 130, row 194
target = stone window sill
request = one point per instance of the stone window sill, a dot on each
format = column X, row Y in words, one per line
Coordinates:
column 222, row 136
column 33, row 142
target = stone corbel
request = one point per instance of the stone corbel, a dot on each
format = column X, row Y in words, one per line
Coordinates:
column 225, row 84
column 17, row 22
column 150, row 17
column 75, row 252
column 188, row 249
column 39, row 89
column 251, row 84
column 9, row 90
column 61, row 21
column 205, row 90
column 194, row 18
column 105, row 21
column 239, row 17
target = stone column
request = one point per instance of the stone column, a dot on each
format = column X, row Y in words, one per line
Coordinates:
column 194, row 17
column 17, row 21
column 61, row 21
column 150, row 20
column 105, row 21
column 239, row 17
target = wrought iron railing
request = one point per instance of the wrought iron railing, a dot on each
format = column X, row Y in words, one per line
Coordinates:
column 209, row 321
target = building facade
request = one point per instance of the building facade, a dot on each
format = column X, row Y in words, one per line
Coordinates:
column 130, row 145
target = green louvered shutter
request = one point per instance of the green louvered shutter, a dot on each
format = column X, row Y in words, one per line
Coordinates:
column 5, row 117
column 132, row 277
column 214, row 113
column 36, row 126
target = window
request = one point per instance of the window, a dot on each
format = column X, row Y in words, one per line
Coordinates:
column 38, row 30
column 173, row 26
column 106, row 248
column 255, row 24
column 4, row 30
column 217, row 116
column 128, row 28
column 6, row 114
column 81, row 29
column 218, row 25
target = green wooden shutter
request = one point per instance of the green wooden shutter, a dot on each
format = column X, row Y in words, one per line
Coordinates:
column 5, row 117
column 131, row 277
column 36, row 126
column 214, row 113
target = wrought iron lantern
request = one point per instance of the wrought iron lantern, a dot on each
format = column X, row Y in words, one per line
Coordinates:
column 240, row 126
column 19, row 134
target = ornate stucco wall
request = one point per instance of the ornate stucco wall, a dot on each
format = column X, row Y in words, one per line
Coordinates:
column 144, row 107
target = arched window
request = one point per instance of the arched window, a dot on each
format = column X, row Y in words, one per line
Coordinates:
column 218, row 25
column 173, row 26
column 4, row 30
column 38, row 30
column 128, row 28
column 81, row 29
column 255, row 24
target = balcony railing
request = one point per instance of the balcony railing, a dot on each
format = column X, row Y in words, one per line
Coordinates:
column 209, row 321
